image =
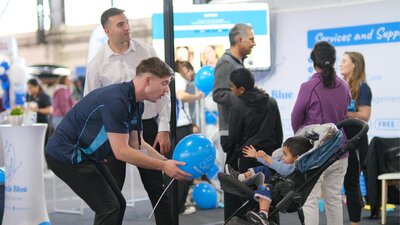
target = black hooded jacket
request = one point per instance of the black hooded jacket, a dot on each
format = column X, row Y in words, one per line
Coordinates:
column 254, row 120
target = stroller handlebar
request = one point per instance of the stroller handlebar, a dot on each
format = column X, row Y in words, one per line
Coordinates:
column 360, row 125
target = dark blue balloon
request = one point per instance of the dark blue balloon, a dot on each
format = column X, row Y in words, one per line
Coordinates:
column 5, row 84
column 198, row 152
column 5, row 65
column 205, row 196
column 204, row 79
column 212, row 172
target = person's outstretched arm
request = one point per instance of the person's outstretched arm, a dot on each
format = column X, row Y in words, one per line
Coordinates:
column 122, row 151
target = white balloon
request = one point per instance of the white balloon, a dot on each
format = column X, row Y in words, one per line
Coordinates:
column 18, row 73
column 210, row 130
column 209, row 103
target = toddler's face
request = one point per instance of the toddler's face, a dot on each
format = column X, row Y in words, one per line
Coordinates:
column 287, row 157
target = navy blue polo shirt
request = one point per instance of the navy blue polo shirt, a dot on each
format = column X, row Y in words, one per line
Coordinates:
column 82, row 134
column 365, row 95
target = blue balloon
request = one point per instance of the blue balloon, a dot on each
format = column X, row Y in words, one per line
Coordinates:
column 212, row 172
column 211, row 117
column 198, row 152
column 205, row 196
column 2, row 176
column 204, row 79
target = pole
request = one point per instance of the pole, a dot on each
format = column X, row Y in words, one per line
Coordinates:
column 170, row 60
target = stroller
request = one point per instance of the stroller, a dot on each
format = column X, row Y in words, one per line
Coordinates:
column 290, row 193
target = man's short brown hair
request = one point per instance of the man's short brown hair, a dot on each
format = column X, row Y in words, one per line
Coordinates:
column 109, row 13
column 155, row 66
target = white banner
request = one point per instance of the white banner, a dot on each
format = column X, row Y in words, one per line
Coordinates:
column 369, row 28
column 24, row 187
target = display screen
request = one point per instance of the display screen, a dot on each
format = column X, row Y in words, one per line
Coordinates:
column 202, row 32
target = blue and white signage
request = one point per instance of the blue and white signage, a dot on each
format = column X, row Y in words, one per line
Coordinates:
column 357, row 35
column 200, row 26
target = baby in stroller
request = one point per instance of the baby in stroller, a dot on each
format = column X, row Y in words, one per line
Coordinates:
column 291, row 191
column 292, row 148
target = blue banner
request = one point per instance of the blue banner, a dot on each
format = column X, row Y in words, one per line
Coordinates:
column 356, row 35
column 210, row 24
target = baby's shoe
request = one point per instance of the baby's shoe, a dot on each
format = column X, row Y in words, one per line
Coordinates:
column 258, row 218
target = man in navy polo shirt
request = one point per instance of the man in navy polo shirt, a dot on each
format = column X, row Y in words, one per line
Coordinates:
column 109, row 121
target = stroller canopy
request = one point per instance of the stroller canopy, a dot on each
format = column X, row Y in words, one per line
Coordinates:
column 327, row 140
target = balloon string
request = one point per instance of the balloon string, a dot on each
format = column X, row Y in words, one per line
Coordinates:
column 160, row 198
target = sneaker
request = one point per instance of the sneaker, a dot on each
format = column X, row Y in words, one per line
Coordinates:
column 257, row 218
column 230, row 171
column 189, row 210
column 255, row 181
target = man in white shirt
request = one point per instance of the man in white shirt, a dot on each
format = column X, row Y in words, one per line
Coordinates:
column 116, row 62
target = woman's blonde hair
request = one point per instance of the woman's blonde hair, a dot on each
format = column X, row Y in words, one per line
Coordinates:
column 358, row 75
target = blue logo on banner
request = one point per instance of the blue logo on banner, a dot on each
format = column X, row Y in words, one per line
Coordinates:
column 280, row 94
column 356, row 35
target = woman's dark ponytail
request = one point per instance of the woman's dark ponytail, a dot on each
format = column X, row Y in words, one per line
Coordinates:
column 324, row 57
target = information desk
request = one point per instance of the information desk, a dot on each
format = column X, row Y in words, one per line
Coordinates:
column 24, row 187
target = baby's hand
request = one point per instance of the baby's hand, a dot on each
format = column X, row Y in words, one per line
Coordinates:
column 261, row 154
column 249, row 151
column 264, row 156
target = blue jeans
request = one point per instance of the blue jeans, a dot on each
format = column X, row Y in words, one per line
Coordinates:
column 263, row 191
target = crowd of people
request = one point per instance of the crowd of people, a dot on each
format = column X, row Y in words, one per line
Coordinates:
column 51, row 108
column 325, row 98
column 124, row 117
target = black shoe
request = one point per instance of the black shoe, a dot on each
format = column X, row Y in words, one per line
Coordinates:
column 257, row 218
column 230, row 171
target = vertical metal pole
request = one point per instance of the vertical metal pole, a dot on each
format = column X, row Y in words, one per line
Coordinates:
column 170, row 60
column 40, row 33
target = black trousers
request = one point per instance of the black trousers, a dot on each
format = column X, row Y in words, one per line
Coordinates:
column 356, row 163
column 93, row 183
column 231, row 202
column 183, row 186
column 152, row 180
column 244, row 164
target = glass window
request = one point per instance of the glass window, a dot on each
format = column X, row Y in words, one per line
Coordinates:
column 15, row 19
column 77, row 13
column 84, row 12
column 135, row 9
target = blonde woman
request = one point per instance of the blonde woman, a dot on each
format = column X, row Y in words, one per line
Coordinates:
column 353, row 70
